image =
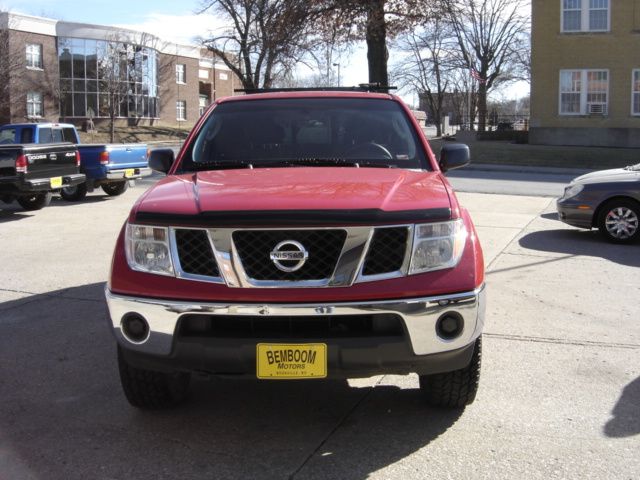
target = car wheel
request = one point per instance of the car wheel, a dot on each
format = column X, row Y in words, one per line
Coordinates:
column 114, row 189
column 75, row 193
column 35, row 201
column 150, row 390
column 455, row 389
column 619, row 220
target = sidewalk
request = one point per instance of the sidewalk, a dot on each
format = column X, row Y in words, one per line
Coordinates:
column 556, row 158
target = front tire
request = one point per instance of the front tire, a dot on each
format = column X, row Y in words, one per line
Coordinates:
column 619, row 220
column 36, row 201
column 115, row 189
column 455, row 389
column 75, row 193
column 151, row 390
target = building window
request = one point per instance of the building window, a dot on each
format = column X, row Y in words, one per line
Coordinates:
column 34, row 55
column 584, row 92
column 203, row 103
column 635, row 92
column 98, row 78
column 34, row 104
column 180, row 73
column 181, row 110
column 224, row 76
column 585, row 15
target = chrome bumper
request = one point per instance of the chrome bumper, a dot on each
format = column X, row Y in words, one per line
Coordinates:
column 121, row 174
column 419, row 315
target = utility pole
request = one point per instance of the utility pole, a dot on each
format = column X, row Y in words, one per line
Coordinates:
column 338, row 65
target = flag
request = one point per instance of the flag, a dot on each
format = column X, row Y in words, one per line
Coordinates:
column 475, row 74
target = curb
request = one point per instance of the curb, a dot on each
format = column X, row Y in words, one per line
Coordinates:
column 489, row 167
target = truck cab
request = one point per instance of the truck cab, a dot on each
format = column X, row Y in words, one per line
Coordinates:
column 40, row 133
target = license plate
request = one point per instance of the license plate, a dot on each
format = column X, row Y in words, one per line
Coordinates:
column 129, row 172
column 56, row 182
column 291, row 361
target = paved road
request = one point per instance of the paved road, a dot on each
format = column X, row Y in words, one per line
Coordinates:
column 543, row 182
column 559, row 392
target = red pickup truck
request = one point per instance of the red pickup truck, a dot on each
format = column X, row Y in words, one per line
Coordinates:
column 300, row 235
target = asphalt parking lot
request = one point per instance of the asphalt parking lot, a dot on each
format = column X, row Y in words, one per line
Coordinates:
column 559, row 394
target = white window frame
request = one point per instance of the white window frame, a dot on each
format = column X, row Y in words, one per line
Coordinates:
column 181, row 73
column 181, row 110
column 634, row 92
column 584, row 18
column 584, row 91
column 33, row 53
column 36, row 101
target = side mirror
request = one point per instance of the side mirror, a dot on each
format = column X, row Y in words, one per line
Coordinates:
column 454, row 155
column 161, row 159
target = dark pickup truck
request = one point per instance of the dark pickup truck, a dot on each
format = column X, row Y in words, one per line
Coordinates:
column 31, row 173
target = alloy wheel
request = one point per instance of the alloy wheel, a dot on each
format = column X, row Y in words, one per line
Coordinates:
column 621, row 223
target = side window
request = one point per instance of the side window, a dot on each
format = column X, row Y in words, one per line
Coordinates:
column 8, row 135
column 45, row 136
column 26, row 136
column 69, row 135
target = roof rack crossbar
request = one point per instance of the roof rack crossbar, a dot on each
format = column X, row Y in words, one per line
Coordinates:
column 363, row 87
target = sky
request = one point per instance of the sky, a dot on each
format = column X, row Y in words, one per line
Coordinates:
column 178, row 22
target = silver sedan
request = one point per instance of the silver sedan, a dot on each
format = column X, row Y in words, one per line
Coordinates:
column 608, row 200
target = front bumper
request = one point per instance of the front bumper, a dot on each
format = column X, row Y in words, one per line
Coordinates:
column 419, row 317
column 574, row 213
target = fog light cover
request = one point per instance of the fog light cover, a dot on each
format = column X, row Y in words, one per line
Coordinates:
column 148, row 250
column 437, row 246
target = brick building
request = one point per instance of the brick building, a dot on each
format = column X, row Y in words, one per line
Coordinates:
column 585, row 73
column 65, row 71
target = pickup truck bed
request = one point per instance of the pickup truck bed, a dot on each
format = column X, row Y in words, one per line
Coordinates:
column 30, row 173
column 110, row 166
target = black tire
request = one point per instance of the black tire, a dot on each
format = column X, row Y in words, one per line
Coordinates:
column 150, row 390
column 619, row 220
column 75, row 193
column 114, row 189
column 36, row 201
column 455, row 389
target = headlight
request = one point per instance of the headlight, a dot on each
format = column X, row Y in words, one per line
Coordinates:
column 437, row 246
column 148, row 249
column 573, row 190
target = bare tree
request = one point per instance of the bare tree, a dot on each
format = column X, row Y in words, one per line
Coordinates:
column 267, row 37
column 428, row 65
column 489, row 34
column 378, row 21
column 10, row 61
column 113, row 63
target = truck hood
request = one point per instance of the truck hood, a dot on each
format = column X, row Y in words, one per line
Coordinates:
column 313, row 189
column 611, row 175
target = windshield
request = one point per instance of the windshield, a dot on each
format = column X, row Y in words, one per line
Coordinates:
column 350, row 132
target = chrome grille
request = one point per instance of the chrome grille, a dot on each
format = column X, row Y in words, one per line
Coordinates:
column 254, row 248
column 337, row 257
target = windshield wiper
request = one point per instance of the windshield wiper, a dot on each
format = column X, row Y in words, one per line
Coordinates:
column 633, row 168
column 321, row 162
column 221, row 165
